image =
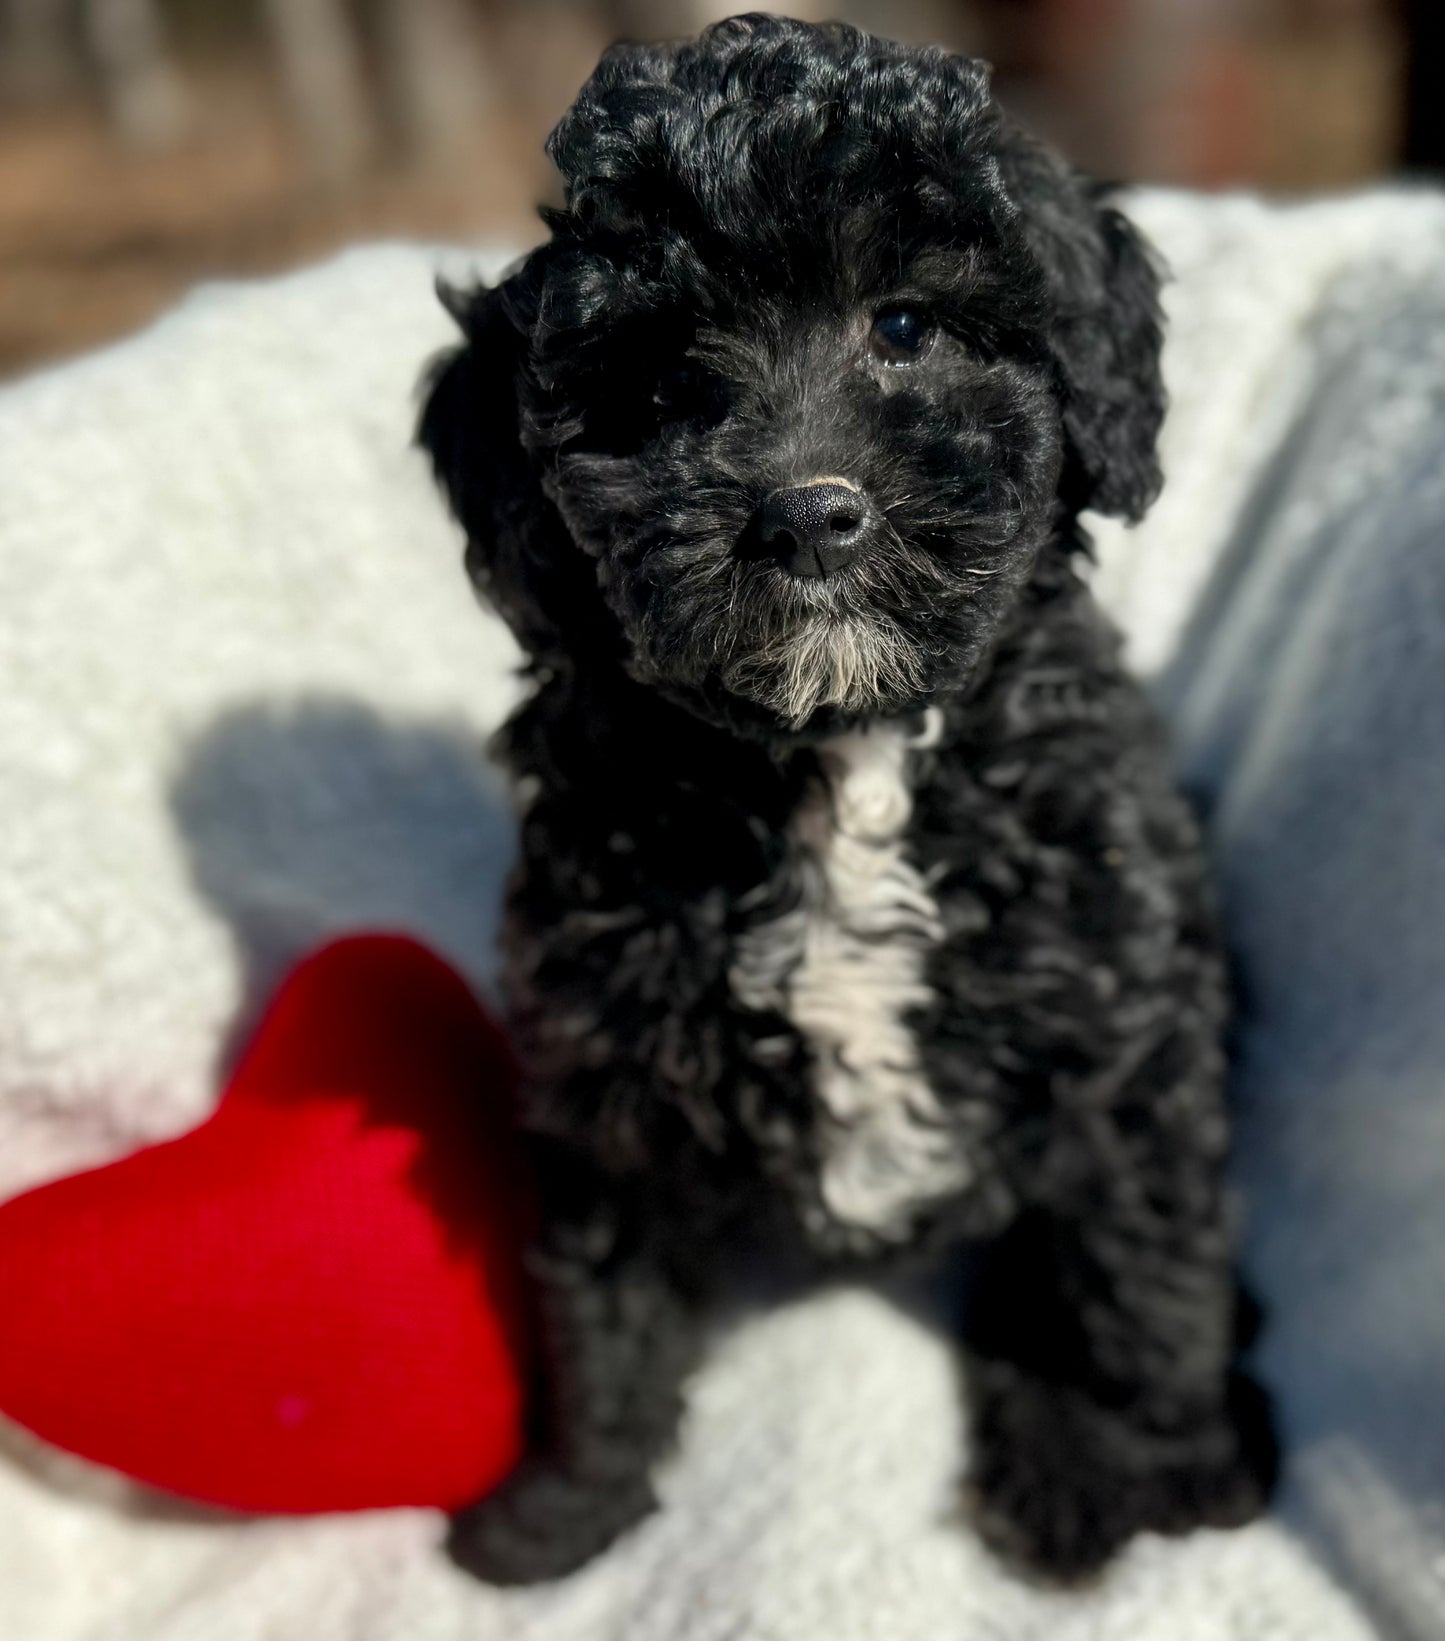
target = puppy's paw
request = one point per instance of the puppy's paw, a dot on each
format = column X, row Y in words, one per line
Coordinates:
column 543, row 1523
column 1059, row 1482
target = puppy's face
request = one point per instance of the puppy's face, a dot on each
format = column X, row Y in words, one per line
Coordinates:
column 814, row 480
column 818, row 355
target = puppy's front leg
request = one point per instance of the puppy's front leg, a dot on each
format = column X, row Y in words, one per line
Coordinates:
column 1106, row 1399
column 615, row 1340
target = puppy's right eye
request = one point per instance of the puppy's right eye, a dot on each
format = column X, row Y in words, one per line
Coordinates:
column 681, row 392
column 692, row 394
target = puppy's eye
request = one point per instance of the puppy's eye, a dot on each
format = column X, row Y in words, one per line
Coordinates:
column 902, row 336
column 682, row 392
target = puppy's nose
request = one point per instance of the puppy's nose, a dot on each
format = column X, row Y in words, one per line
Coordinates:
column 816, row 529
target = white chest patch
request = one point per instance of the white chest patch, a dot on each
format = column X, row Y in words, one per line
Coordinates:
column 845, row 967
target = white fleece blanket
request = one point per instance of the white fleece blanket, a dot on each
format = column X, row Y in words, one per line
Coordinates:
column 243, row 692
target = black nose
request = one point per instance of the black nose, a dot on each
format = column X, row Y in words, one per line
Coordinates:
column 816, row 529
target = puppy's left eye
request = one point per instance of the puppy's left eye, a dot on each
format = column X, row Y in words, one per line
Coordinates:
column 902, row 336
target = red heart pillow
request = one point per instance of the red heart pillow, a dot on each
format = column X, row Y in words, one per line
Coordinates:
column 314, row 1301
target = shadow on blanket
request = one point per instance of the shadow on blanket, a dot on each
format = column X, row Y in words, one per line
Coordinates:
column 318, row 817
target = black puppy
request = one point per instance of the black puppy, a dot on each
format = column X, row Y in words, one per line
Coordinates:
column 854, row 900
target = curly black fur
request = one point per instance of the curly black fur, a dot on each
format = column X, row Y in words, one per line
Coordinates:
column 998, row 1019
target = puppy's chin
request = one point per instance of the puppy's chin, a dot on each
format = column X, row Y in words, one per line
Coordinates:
column 770, row 655
column 852, row 662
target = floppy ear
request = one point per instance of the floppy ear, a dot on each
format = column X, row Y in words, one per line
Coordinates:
column 519, row 555
column 1105, row 333
column 1107, row 340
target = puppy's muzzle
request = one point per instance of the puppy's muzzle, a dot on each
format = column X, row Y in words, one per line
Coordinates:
column 819, row 528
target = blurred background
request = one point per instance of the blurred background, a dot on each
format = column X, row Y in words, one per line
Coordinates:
column 146, row 144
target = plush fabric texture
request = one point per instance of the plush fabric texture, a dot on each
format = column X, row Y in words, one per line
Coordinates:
column 225, row 1314
column 193, row 802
